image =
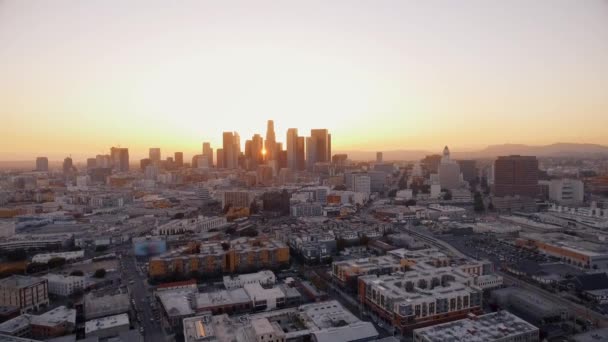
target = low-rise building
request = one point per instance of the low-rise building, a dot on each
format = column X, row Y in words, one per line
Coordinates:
column 68, row 256
column 64, row 286
column 105, row 305
column 27, row 293
column 501, row 326
column 54, row 323
column 265, row 277
column 107, row 326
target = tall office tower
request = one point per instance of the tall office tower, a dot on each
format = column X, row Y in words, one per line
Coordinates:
column 271, row 141
column 220, row 158
column 322, row 145
column 311, row 150
column 229, row 150
column 42, row 164
column 248, row 144
column 449, row 171
column 379, row 157
column 301, row 154
column 328, row 158
column 292, row 148
column 257, row 145
column 68, row 166
column 154, row 155
column 208, row 151
column 178, row 159
column 516, row 175
column 143, row 163
column 431, row 162
column 91, row 163
column 120, row 159
column 103, row 161
column 468, row 169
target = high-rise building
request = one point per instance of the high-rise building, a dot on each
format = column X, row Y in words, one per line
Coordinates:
column 257, row 145
column 208, row 151
column 431, row 163
column 91, row 163
column 516, row 175
column 103, row 161
column 143, row 163
column 231, row 149
column 220, row 158
column 120, row 159
column 379, row 157
column 68, row 166
column 154, row 155
column 468, row 169
column 271, row 142
column 310, row 153
column 179, row 159
column 301, row 154
column 42, row 164
column 449, row 171
column 322, row 145
column 292, row 148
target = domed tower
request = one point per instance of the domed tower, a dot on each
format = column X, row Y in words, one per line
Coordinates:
column 446, row 155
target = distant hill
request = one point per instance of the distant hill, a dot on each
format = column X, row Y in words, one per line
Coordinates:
column 492, row 151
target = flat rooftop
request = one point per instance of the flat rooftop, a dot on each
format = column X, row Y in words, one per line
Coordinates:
column 19, row 281
column 485, row 328
column 106, row 323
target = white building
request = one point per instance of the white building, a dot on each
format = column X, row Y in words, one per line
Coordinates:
column 362, row 183
column 566, row 191
column 64, row 286
column 265, row 277
column 449, row 172
column 264, row 299
column 68, row 256
column 195, row 225
column 107, row 326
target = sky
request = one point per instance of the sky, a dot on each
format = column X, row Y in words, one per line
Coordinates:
column 80, row 76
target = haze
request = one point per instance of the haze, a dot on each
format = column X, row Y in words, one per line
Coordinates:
column 79, row 76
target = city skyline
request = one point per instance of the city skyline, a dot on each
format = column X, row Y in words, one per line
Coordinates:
column 387, row 76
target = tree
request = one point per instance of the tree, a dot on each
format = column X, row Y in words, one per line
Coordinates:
column 77, row 273
column 491, row 206
column 447, row 195
column 410, row 202
column 340, row 187
column 364, row 240
column 402, row 183
column 56, row 262
column 392, row 193
column 340, row 244
column 100, row 273
column 101, row 248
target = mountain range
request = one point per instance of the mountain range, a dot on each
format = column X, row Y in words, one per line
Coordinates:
column 492, row 151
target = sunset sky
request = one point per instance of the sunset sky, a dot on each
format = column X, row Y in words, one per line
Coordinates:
column 78, row 76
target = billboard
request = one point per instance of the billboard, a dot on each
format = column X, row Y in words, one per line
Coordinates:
column 149, row 247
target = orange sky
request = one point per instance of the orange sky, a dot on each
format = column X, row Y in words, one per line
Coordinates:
column 77, row 77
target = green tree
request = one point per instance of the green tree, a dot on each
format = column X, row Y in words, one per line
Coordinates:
column 254, row 208
column 392, row 193
column 447, row 195
column 77, row 273
column 100, row 273
column 56, row 262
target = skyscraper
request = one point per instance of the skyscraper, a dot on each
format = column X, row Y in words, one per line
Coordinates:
column 91, row 163
column 301, row 154
column 468, row 169
column 230, row 157
column 292, row 149
column 379, row 157
column 42, row 164
column 516, row 175
column 257, row 145
column 449, row 171
column 271, row 142
column 154, row 155
column 120, row 159
column 220, row 158
column 208, row 151
column 318, row 147
column 68, row 166
column 179, row 159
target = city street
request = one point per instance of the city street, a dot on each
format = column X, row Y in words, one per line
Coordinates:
column 138, row 289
